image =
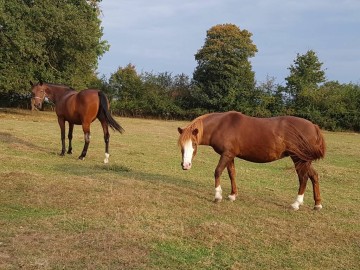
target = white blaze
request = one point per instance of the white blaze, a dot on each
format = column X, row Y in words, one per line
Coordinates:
column 188, row 154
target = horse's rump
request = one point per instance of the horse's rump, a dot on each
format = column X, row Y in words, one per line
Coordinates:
column 305, row 145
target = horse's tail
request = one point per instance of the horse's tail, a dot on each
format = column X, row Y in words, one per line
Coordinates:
column 104, row 107
column 301, row 148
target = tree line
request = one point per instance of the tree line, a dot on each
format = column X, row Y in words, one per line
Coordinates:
column 61, row 41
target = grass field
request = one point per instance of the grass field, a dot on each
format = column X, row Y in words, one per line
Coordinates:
column 141, row 211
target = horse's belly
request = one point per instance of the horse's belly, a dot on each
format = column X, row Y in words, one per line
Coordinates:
column 262, row 157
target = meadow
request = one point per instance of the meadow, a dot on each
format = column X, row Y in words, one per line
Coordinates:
column 142, row 211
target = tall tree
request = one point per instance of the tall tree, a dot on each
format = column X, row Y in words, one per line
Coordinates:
column 54, row 40
column 224, row 78
column 306, row 74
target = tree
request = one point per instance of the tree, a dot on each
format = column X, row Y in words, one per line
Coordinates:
column 126, row 84
column 305, row 76
column 269, row 98
column 58, row 41
column 223, row 78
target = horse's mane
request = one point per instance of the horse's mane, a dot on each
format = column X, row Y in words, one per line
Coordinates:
column 59, row 85
column 197, row 123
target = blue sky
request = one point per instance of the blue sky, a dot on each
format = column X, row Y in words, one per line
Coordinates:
column 163, row 36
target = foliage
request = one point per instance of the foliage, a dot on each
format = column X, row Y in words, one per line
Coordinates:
column 56, row 41
column 223, row 77
column 305, row 76
column 149, row 95
column 60, row 41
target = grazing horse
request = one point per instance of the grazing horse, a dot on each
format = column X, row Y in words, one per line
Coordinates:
column 77, row 108
column 233, row 134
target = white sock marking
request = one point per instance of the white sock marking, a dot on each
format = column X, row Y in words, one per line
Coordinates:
column 218, row 192
column 299, row 201
column 106, row 160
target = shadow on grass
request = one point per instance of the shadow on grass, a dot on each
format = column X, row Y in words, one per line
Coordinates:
column 78, row 169
column 10, row 139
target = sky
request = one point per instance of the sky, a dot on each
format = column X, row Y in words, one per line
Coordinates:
column 164, row 35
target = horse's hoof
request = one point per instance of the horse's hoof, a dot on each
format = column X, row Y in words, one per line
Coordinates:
column 318, row 207
column 217, row 200
column 82, row 158
column 232, row 197
column 295, row 206
column 61, row 154
column 69, row 152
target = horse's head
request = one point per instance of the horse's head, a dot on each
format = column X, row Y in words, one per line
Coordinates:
column 188, row 142
column 38, row 93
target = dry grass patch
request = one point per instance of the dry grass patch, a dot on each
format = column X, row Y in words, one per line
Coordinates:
column 142, row 211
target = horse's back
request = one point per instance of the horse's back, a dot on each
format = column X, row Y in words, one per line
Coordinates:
column 259, row 139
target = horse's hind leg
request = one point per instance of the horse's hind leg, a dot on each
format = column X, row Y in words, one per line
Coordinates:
column 86, row 129
column 316, row 187
column 302, row 168
column 70, row 136
column 106, row 139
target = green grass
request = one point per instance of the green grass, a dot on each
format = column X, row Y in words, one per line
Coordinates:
column 141, row 211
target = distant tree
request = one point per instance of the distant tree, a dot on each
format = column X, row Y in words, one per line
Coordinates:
column 269, row 98
column 58, row 41
column 126, row 84
column 306, row 75
column 223, row 78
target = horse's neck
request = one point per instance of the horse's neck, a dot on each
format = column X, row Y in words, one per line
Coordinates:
column 205, row 134
column 56, row 93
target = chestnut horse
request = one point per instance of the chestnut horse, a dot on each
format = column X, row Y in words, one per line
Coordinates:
column 233, row 134
column 77, row 108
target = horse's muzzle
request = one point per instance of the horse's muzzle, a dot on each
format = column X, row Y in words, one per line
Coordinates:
column 186, row 166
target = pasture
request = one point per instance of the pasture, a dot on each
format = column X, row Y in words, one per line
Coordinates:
column 141, row 211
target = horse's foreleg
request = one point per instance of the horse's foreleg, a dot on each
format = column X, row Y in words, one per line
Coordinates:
column 316, row 188
column 302, row 168
column 61, row 122
column 70, row 136
column 223, row 162
column 86, row 129
column 232, row 174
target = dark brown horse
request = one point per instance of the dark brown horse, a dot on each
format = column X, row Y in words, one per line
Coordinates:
column 260, row 140
column 77, row 108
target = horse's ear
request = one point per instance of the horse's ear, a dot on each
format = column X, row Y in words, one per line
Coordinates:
column 195, row 132
column 180, row 130
column 31, row 83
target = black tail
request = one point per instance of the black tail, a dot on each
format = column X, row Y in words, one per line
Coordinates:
column 104, row 107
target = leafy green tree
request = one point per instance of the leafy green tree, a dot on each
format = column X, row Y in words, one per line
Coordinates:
column 269, row 99
column 223, row 78
column 52, row 40
column 306, row 75
column 126, row 84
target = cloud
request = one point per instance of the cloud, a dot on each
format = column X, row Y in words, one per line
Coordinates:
column 164, row 35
